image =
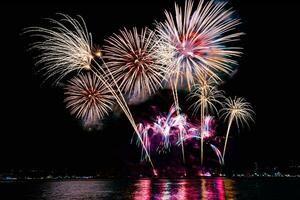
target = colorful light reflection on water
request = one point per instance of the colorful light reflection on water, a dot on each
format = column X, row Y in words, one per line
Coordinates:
column 164, row 189
column 155, row 189
column 110, row 189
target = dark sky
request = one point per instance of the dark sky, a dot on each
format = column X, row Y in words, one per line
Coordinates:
column 38, row 132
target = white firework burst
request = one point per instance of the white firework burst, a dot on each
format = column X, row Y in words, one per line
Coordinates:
column 87, row 98
column 131, row 60
column 238, row 110
column 208, row 96
column 63, row 48
column 195, row 42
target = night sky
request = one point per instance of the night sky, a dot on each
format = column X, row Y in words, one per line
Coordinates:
column 38, row 132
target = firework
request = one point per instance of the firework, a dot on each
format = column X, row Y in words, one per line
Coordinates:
column 208, row 127
column 218, row 153
column 170, row 129
column 87, row 98
column 131, row 60
column 165, row 131
column 196, row 41
column 64, row 48
column 193, row 48
column 195, row 44
column 67, row 47
column 237, row 110
column 207, row 97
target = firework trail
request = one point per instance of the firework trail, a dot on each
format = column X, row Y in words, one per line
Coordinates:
column 67, row 47
column 143, row 131
column 87, row 98
column 131, row 60
column 218, row 153
column 207, row 97
column 237, row 110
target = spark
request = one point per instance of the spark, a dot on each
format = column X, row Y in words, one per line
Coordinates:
column 98, row 53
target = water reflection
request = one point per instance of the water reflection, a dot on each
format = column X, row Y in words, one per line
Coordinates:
column 154, row 189
column 164, row 189
column 79, row 190
column 143, row 189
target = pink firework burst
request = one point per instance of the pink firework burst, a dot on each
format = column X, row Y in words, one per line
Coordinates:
column 170, row 129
